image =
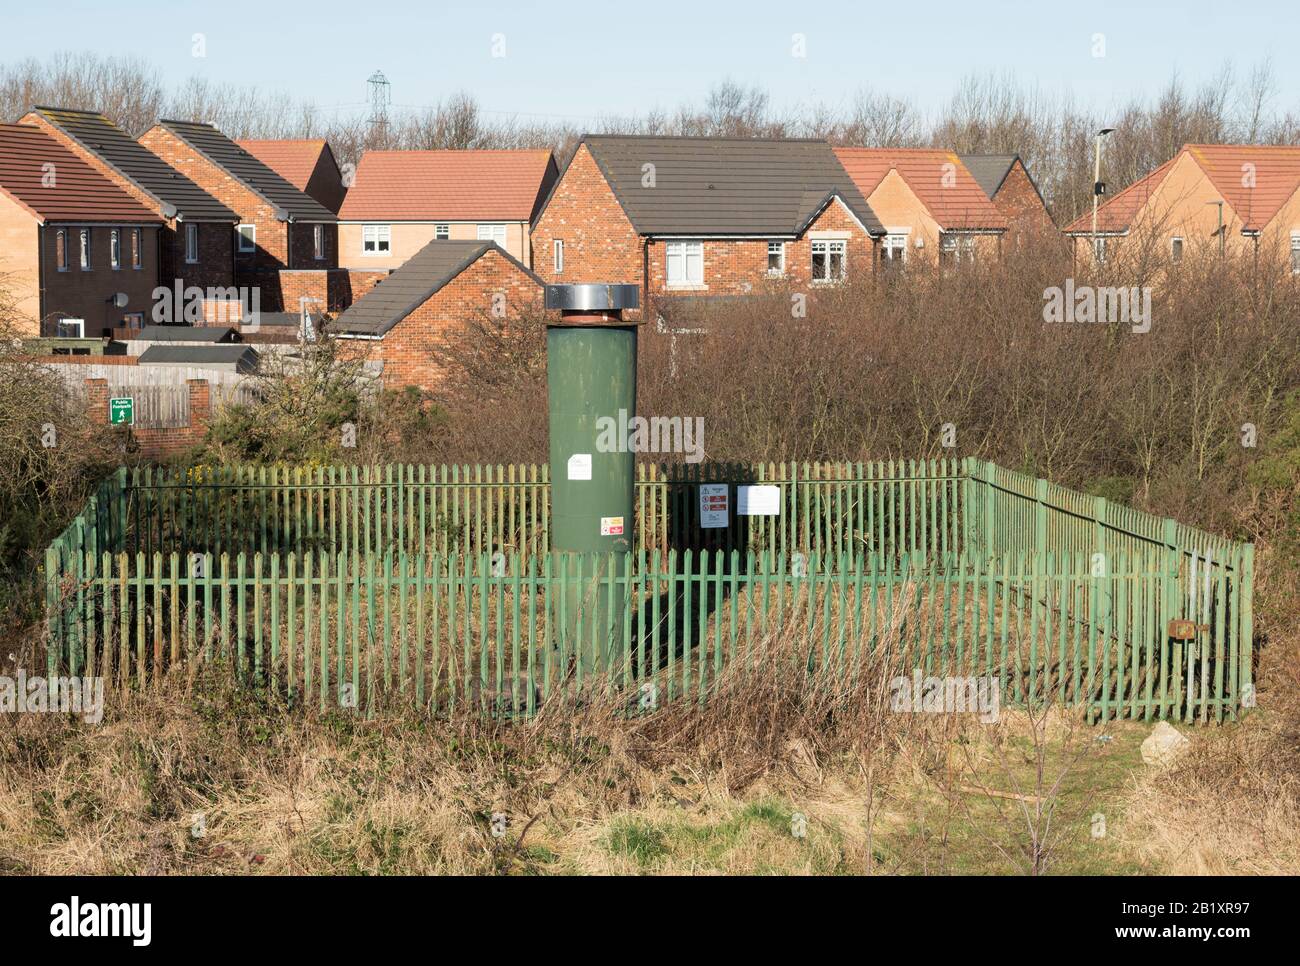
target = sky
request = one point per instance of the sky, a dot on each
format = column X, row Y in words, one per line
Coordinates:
column 575, row 60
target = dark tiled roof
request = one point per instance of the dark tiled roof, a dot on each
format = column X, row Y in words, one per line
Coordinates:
column 175, row 193
column 989, row 170
column 406, row 289
column 29, row 158
column 185, row 333
column 243, row 357
column 252, row 173
column 726, row 186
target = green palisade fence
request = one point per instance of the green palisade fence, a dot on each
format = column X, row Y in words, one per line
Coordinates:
column 354, row 585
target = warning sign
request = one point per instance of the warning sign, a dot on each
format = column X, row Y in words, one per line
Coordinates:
column 714, row 505
column 611, row 526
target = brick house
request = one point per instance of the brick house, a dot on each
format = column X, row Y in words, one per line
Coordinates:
column 79, row 254
column 437, row 291
column 1006, row 181
column 286, row 242
column 307, row 164
column 1207, row 199
column 932, row 208
column 197, row 242
column 399, row 201
column 704, row 217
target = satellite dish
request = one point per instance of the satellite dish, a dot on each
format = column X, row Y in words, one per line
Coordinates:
column 120, row 300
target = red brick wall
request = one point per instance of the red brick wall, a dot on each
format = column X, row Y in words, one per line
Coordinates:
column 216, row 241
column 302, row 246
column 734, row 267
column 1020, row 203
column 272, row 251
column 406, row 349
column 600, row 244
column 88, row 295
column 156, row 443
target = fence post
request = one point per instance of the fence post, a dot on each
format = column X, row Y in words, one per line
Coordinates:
column 1040, row 517
column 989, row 508
column 1246, row 648
column 1168, row 610
column 1099, row 527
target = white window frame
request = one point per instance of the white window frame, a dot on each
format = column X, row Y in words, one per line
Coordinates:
column 779, row 248
column 61, row 266
column 493, row 232
column 115, row 249
column 79, row 323
column 84, row 253
column 688, row 256
column 241, row 238
column 318, row 242
column 441, row 232
column 137, row 244
column 829, row 247
column 1295, row 253
column 192, row 243
column 960, row 247
column 557, row 255
column 1176, row 248
column 1099, row 249
column 894, row 241
column 375, row 236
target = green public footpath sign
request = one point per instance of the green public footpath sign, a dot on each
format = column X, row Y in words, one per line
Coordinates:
column 121, row 410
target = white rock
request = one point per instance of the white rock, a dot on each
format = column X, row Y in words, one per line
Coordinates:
column 1163, row 745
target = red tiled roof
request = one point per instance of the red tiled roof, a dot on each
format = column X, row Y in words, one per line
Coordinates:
column 74, row 192
column 1276, row 178
column 294, row 161
column 1117, row 212
column 961, row 204
column 446, row 185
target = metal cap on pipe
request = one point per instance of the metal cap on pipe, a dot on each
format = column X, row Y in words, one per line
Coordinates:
column 592, row 297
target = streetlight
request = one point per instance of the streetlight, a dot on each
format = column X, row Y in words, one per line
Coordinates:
column 1098, row 186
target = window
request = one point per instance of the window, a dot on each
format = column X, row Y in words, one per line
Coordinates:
column 493, row 233
column 375, row 239
column 684, row 262
column 61, row 249
column 70, row 329
column 1099, row 249
column 115, row 248
column 137, row 255
column 247, row 237
column 1295, row 253
column 84, row 236
column 559, row 256
column 776, row 258
column 318, row 242
column 956, row 248
column 893, row 250
column 442, row 232
column 828, row 259
column 133, row 320
column 1176, row 249
column 192, row 244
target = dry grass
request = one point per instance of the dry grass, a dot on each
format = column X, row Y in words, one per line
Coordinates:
column 716, row 789
column 1231, row 805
